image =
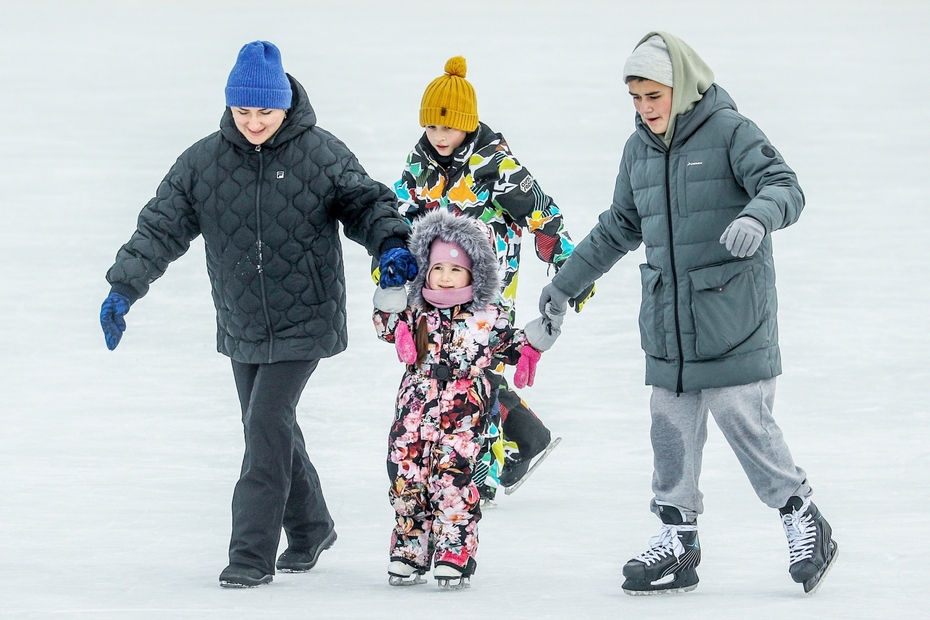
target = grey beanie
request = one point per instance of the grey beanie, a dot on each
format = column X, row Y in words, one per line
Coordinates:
column 650, row 60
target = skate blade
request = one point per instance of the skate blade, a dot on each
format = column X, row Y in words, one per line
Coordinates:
column 539, row 459
column 661, row 591
column 453, row 583
column 412, row 580
column 671, row 584
column 811, row 589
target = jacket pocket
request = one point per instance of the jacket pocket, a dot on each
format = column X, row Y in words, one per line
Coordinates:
column 651, row 315
column 724, row 307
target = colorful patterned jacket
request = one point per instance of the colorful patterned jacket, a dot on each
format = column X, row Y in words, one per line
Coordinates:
column 485, row 181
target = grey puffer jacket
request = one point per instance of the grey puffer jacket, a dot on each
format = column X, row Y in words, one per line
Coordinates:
column 269, row 217
column 707, row 319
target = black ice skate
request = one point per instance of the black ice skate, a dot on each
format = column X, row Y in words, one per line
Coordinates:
column 402, row 574
column 668, row 565
column 516, row 473
column 811, row 548
column 454, row 577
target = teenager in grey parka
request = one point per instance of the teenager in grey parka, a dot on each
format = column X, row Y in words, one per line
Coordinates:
column 267, row 193
column 703, row 189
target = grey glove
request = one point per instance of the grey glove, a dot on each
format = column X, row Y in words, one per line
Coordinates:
column 391, row 299
column 553, row 302
column 743, row 236
column 542, row 333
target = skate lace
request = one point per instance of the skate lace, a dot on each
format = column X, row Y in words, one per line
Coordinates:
column 801, row 533
column 664, row 543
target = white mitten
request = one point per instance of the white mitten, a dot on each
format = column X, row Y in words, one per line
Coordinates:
column 391, row 299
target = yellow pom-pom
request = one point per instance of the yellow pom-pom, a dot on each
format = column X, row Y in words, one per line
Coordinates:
column 456, row 66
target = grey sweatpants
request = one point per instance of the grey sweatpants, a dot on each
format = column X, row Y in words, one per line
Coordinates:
column 744, row 415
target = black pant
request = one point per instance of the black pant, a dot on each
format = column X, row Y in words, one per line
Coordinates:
column 278, row 486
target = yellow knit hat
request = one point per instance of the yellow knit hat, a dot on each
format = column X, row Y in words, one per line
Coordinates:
column 450, row 99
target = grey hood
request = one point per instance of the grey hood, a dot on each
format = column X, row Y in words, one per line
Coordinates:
column 474, row 237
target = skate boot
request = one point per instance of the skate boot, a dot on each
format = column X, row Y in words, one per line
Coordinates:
column 811, row 548
column 454, row 577
column 516, row 471
column 402, row 574
column 668, row 565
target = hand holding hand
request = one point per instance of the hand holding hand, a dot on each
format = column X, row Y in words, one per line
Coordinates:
column 526, row 367
column 542, row 332
column 114, row 308
column 552, row 301
column 397, row 266
column 743, row 236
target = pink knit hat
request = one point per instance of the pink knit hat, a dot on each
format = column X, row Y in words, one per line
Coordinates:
column 448, row 252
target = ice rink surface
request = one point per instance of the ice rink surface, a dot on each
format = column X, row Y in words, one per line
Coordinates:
column 117, row 468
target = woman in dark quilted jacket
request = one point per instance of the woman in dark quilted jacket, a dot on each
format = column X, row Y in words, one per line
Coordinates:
column 267, row 193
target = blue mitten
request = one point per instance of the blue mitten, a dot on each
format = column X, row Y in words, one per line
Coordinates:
column 743, row 236
column 397, row 267
column 114, row 308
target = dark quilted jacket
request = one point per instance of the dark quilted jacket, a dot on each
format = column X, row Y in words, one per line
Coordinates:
column 269, row 218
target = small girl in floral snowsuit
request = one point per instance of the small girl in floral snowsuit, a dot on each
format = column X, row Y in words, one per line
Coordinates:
column 442, row 404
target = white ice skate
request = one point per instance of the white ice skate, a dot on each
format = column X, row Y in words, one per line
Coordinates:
column 403, row 574
column 451, row 578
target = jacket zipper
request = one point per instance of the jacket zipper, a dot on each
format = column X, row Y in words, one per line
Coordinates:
column 671, row 254
column 260, row 266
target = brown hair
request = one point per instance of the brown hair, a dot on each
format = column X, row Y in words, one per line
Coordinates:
column 422, row 337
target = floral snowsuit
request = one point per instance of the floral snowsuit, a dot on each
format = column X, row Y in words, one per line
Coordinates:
column 439, row 430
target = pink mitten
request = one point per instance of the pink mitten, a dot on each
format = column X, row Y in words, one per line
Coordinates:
column 403, row 343
column 526, row 367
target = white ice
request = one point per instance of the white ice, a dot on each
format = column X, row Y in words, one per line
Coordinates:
column 117, row 468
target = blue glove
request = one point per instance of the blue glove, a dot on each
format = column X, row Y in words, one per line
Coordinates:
column 397, row 267
column 114, row 308
column 743, row 236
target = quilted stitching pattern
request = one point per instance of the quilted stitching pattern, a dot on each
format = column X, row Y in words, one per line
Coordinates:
column 269, row 218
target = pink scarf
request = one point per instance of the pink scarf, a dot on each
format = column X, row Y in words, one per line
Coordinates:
column 448, row 297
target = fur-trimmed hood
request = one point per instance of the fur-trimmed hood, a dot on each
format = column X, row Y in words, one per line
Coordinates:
column 473, row 236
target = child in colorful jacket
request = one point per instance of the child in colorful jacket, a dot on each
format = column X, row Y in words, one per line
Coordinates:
column 440, row 426
column 462, row 165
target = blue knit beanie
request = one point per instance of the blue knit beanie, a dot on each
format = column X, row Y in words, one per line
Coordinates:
column 258, row 79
